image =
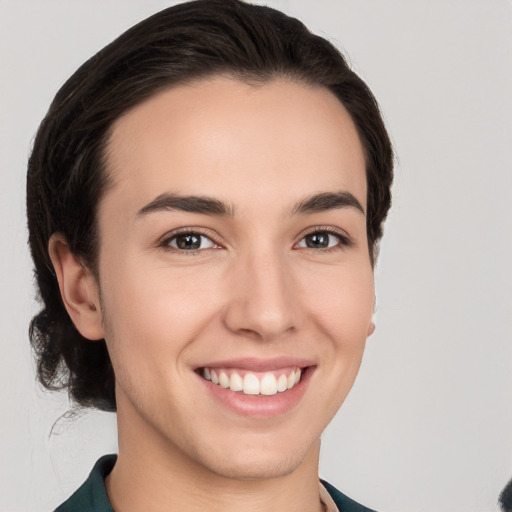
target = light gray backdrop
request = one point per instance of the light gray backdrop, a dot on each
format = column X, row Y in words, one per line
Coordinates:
column 428, row 426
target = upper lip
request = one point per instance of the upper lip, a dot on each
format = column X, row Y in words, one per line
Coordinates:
column 255, row 364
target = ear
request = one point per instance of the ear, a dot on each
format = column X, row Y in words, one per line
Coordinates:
column 371, row 327
column 78, row 289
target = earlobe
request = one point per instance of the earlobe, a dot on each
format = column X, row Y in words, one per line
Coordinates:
column 78, row 289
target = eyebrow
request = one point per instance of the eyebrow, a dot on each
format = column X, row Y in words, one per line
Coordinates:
column 192, row 204
column 316, row 203
column 326, row 201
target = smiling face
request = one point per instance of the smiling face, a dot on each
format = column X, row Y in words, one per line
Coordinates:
column 236, row 283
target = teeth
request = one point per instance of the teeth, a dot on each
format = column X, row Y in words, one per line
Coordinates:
column 282, row 383
column 268, row 385
column 290, row 381
column 236, row 383
column 251, row 384
column 223, row 380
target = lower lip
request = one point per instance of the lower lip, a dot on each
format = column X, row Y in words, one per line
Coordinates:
column 260, row 406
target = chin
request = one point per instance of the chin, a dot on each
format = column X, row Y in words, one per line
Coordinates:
column 261, row 468
column 262, row 460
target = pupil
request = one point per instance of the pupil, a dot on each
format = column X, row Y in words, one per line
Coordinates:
column 188, row 242
column 317, row 240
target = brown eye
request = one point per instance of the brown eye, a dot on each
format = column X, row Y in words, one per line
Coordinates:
column 190, row 242
column 320, row 240
column 317, row 240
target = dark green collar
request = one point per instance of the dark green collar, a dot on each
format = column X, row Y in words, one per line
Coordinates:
column 92, row 495
column 344, row 503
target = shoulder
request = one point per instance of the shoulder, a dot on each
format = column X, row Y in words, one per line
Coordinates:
column 91, row 496
column 344, row 503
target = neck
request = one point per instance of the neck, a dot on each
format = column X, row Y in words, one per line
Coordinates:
column 153, row 474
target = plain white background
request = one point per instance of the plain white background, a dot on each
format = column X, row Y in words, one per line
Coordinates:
column 428, row 425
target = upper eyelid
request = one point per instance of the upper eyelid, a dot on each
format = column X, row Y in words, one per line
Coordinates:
column 188, row 230
column 326, row 229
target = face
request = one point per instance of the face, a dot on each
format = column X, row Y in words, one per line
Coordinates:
column 234, row 272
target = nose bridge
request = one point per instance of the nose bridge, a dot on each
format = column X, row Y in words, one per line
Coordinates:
column 263, row 298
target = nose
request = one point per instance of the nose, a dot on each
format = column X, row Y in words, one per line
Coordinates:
column 263, row 297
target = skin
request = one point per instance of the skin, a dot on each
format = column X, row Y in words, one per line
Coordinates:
column 255, row 289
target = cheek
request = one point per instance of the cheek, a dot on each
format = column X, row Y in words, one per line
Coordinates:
column 344, row 314
column 161, row 308
column 343, row 306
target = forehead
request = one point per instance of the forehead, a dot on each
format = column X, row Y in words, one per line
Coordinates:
column 229, row 139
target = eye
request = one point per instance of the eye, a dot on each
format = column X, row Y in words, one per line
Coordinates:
column 323, row 239
column 189, row 241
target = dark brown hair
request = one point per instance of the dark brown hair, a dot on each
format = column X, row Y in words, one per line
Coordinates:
column 67, row 172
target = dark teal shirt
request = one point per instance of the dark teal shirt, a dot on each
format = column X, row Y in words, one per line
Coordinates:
column 92, row 495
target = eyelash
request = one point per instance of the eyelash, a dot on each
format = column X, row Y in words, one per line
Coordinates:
column 344, row 240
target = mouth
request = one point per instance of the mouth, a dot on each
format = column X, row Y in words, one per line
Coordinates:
column 253, row 383
column 258, row 388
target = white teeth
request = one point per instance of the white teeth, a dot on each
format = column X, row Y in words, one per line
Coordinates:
column 251, row 384
column 282, row 383
column 268, row 385
column 290, row 381
column 223, row 380
column 236, row 383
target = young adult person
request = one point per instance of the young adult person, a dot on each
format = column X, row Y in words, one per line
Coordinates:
column 205, row 200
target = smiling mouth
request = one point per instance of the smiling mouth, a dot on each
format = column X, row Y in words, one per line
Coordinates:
column 253, row 383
